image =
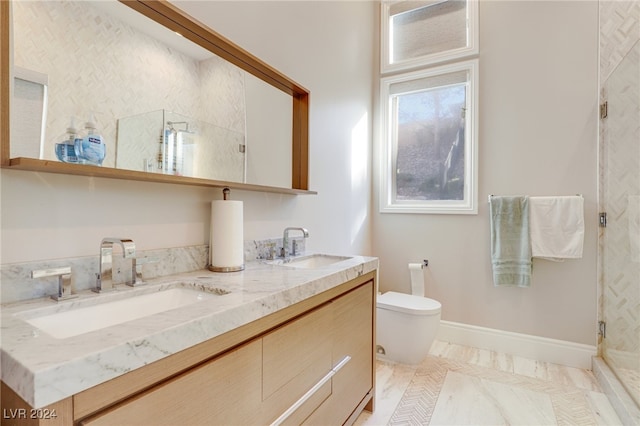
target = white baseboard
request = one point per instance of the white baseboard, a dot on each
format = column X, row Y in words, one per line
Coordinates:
column 527, row 346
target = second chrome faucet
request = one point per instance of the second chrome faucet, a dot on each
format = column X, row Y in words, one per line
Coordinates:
column 104, row 279
column 284, row 252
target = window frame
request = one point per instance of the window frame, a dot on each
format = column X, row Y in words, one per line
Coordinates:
column 388, row 154
column 470, row 49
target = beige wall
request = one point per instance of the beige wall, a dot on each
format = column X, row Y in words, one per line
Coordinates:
column 537, row 136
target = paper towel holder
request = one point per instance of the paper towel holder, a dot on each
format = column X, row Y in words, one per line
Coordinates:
column 225, row 194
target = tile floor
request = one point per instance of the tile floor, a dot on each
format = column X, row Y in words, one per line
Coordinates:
column 460, row 385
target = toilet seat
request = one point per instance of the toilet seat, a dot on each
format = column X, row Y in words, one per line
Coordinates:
column 408, row 303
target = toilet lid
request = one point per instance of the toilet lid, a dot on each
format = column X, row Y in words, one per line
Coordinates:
column 408, row 303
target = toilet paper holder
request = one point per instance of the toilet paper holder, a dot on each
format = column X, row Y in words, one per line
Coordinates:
column 425, row 263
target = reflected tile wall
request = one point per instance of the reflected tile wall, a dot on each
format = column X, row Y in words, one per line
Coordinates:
column 125, row 72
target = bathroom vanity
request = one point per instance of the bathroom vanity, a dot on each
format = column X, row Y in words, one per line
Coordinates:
column 273, row 344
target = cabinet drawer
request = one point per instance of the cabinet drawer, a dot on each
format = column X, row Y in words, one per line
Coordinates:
column 352, row 336
column 295, row 358
column 225, row 390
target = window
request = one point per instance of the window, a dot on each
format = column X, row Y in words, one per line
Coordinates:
column 429, row 125
column 416, row 33
column 429, row 161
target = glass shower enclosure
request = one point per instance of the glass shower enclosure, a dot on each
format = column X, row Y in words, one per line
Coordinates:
column 619, row 235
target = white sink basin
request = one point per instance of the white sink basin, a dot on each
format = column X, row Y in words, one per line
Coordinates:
column 314, row 261
column 91, row 318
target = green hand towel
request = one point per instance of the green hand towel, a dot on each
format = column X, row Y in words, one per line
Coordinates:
column 510, row 244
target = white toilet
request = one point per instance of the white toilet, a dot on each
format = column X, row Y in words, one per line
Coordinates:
column 406, row 324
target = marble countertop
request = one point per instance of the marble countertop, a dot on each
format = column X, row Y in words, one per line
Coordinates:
column 43, row 369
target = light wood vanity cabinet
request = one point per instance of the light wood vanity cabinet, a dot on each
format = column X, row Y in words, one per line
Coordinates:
column 256, row 372
column 258, row 381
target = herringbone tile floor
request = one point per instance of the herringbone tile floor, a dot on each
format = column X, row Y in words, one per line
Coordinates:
column 459, row 385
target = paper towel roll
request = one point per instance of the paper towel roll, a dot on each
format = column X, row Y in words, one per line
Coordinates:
column 226, row 252
column 417, row 279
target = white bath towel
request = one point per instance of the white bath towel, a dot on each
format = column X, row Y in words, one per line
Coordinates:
column 556, row 225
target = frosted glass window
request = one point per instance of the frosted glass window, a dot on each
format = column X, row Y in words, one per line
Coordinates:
column 429, row 138
column 422, row 32
column 28, row 113
column 430, row 143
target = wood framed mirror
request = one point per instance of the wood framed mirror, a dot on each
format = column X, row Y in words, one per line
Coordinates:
column 172, row 18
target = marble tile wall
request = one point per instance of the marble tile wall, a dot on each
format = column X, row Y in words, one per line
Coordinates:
column 619, row 31
column 17, row 285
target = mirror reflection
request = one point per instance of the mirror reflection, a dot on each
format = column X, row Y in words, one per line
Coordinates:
column 159, row 103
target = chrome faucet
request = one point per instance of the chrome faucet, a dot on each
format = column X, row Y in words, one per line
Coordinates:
column 64, row 281
column 104, row 280
column 284, row 252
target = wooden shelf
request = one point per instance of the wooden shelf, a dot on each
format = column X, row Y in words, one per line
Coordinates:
column 47, row 166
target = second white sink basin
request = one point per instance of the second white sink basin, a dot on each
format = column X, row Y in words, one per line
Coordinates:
column 91, row 318
column 314, row 261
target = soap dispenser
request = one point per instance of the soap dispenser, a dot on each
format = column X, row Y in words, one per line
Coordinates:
column 65, row 149
column 91, row 149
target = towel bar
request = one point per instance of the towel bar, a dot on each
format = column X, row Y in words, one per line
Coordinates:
column 491, row 195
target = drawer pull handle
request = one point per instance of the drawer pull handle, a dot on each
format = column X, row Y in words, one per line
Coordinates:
column 311, row 391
